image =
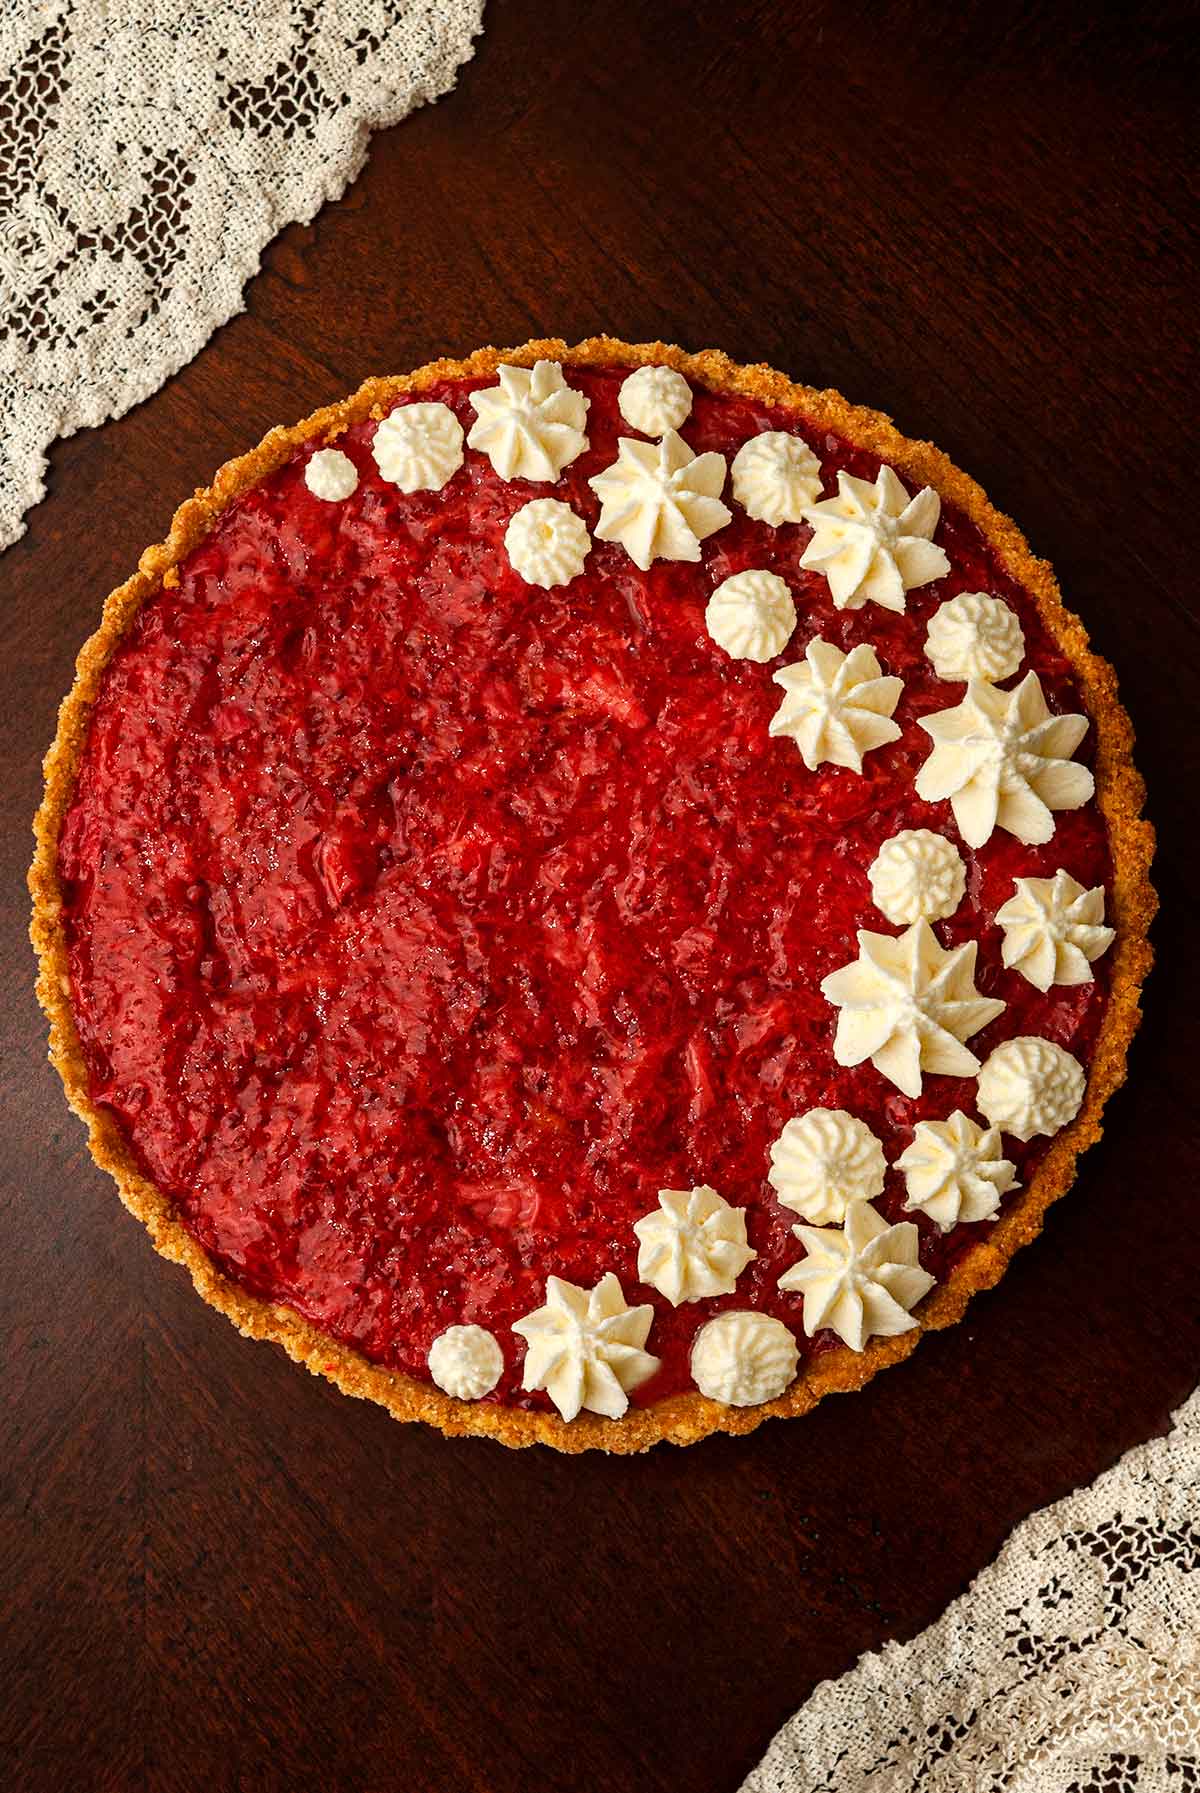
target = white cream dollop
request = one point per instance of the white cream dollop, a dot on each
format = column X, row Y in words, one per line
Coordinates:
column 1004, row 761
column 974, row 636
column 836, row 706
column 743, row 1358
column 823, row 1161
column 466, row 1362
column 692, row 1245
column 775, row 477
column 872, row 541
column 419, row 447
column 917, row 876
column 659, row 500
column 861, row 1279
column 331, row 475
column 954, row 1170
column 530, row 426
column 908, row 1004
column 655, row 400
column 585, row 1347
column 751, row 615
column 1053, row 929
column 1030, row 1085
column 547, row 542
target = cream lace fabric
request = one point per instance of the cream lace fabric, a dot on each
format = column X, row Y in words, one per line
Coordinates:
column 149, row 150
column 1072, row 1665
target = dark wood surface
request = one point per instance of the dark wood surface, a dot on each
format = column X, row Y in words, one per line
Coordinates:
column 217, row 1573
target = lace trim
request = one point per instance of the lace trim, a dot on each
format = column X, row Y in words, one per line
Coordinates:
column 1072, row 1664
column 129, row 226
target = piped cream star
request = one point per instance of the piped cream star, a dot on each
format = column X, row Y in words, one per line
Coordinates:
column 547, row 543
column 872, row 541
column 1031, row 1085
column 751, row 615
column 659, row 500
column 655, row 400
column 954, row 1170
column 692, row 1245
column 585, row 1347
column 908, row 1004
column 836, row 706
column 530, row 426
column 1053, row 929
column 743, row 1357
column 775, row 476
column 861, row 1279
column 419, row 447
column 823, row 1161
column 974, row 636
column 1004, row 761
column 917, row 876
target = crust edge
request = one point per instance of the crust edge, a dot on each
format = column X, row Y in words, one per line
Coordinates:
column 685, row 1418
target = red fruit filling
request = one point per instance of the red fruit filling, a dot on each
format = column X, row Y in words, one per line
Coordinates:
column 424, row 924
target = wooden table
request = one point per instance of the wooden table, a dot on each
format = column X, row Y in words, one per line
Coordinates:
column 217, row 1573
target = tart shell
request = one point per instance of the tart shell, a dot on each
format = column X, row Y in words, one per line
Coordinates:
column 684, row 1418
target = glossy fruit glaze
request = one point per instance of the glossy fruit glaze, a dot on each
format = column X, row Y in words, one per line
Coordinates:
column 424, row 924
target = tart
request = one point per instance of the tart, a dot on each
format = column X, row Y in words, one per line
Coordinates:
column 591, row 894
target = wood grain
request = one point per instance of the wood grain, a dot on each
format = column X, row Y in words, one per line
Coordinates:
column 217, row 1573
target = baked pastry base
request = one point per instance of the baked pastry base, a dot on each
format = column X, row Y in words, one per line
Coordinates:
column 684, row 1418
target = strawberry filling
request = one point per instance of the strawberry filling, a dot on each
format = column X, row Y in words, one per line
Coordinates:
column 424, row 924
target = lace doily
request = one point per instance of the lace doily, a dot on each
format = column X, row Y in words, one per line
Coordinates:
column 1071, row 1665
column 151, row 149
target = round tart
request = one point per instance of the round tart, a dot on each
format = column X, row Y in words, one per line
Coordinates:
column 591, row 893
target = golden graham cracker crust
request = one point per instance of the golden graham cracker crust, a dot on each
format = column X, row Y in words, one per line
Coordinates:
column 681, row 1419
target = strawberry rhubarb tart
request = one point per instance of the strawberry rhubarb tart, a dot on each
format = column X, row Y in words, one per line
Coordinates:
column 591, row 893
